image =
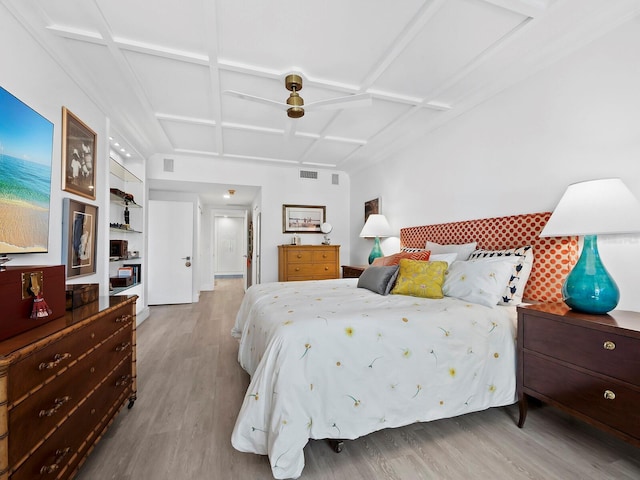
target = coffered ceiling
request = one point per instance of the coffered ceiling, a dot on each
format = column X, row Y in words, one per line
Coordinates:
column 159, row 69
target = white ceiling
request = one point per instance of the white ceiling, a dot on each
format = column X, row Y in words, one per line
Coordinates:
column 158, row 68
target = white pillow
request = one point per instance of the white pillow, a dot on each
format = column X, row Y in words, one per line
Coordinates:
column 443, row 257
column 463, row 250
column 479, row 281
column 514, row 289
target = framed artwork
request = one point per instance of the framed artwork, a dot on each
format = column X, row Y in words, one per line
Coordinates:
column 79, row 237
column 371, row 206
column 78, row 156
column 302, row 218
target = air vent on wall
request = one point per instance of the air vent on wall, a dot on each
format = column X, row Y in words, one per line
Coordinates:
column 168, row 164
column 335, row 179
column 309, row 174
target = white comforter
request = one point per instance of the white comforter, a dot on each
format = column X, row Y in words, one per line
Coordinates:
column 330, row 360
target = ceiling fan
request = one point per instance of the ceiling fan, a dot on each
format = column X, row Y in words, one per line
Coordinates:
column 295, row 106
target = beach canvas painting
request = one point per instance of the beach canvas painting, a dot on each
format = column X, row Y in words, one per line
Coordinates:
column 26, row 147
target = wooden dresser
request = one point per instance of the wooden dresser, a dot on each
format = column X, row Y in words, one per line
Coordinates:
column 308, row 262
column 61, row 384
column 587, row 365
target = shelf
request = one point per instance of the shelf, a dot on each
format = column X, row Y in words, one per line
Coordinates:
column 123, row 230
column 121, row 201
column 119, row 290
column 121, row 172
column 125, row 259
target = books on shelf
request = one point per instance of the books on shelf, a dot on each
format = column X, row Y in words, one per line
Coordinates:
column 136, row 269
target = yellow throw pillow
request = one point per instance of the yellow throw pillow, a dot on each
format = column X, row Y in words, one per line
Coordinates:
column 420, row 279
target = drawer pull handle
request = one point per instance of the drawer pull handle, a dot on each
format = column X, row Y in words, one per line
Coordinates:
column 123, row 346
column 57, row 358
column 60, row 454
column 123, row 318
column 299, row 256
column 609, row 345
column 58, row 402
column 326, row 268
column 297, row 269
column 609, row 395
column 123, row 381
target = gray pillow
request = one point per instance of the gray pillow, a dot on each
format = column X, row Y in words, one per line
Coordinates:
column 379, row 279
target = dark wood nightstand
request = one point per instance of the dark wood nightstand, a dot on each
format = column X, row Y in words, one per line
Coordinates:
column 353, row 271
column 587, row 365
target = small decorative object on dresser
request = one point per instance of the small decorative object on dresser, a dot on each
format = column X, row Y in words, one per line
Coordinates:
column 308, row 262
column 586, row 365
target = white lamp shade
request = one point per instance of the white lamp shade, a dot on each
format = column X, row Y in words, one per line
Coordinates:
column 595, row 207
column 376, row 226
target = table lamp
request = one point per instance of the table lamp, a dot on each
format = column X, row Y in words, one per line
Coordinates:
column 592, row 208
column 376, row 226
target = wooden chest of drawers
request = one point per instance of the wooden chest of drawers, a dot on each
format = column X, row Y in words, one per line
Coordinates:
column 308, row 262
column 61, row 384
column 587, row 365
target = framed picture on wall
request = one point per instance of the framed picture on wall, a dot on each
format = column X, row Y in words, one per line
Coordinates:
column 302, row 218
column 78, row 156
column 371, row 206
column 79, row 237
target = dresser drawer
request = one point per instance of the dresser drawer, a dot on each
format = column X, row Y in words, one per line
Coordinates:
column 607, row 353
column 32, row 419
column 584, row 393
column 324, row 256
column 299, row 256
column 59, row 452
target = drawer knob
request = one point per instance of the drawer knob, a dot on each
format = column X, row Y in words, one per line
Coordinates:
column 57, row 403
column 123, row 318
column 60, row 454
column 57, row 358
column 326, row 268
column 123, row 346
column 609, row 345
column 124, row 380
column 609, row 395
column 297, row 269
column 299, row 256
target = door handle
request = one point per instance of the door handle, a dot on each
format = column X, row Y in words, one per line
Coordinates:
column 188, row 261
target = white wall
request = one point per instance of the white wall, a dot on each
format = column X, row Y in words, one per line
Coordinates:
column 280, row 185
column 31, row 75
column 576, row 120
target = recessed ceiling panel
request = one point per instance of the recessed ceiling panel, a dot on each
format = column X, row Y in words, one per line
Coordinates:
column 78, row 15
column 365, row 122
column 263, row 145
column 330, row 153
column 334, row 39
column 176, row 25
column 174, row 87
column 459, row 32
column 192, row 137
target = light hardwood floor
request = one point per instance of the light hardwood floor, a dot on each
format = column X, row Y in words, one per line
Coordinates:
column 190, row 387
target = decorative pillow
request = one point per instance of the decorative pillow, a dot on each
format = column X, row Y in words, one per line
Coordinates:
column 378, row 279
column 479, row 281
column 463, row 250
column 512, row 294
column 394, row 259
column 444, row 257
column 420, row 279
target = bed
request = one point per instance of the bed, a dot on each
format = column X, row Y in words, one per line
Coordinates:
column 329, row 360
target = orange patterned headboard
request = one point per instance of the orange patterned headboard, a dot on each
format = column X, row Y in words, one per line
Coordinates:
column 553, row 256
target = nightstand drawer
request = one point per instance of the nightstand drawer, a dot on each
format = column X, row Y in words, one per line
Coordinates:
column 603, row 352
column 603, row 400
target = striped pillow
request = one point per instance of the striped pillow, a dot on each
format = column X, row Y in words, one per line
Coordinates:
column 422, row 255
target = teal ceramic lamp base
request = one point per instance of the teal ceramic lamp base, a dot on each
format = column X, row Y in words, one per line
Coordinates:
column 589, row 288
column 376, row 251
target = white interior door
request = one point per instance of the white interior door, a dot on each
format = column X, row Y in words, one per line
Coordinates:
column 230, row 244
column 170, row 278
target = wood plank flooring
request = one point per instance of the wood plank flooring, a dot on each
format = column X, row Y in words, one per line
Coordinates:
column 190, row 387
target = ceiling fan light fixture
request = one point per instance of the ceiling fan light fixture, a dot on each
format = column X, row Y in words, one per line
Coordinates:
column 296, row 102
